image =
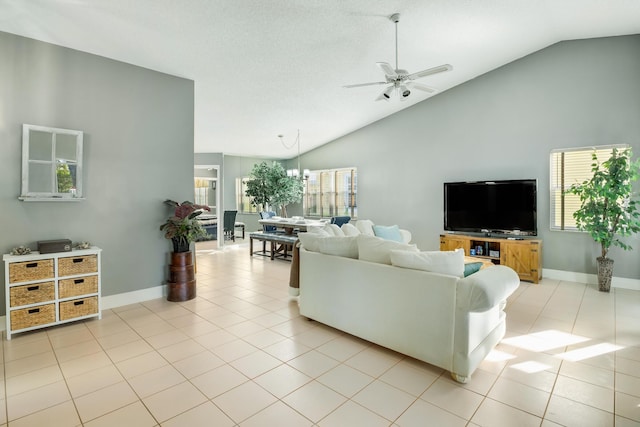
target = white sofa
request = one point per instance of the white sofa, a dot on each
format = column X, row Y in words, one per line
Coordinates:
column 445, row 320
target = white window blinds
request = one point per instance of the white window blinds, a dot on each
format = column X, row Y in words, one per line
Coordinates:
column 331, row 192
column 571, row 166
column 243, row 202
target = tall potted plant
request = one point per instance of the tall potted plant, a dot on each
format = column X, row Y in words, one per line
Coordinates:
column 182, row 228
column 269, row 185
column 608, row 211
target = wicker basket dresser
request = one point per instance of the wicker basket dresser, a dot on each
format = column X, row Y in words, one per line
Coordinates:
column 50, row 289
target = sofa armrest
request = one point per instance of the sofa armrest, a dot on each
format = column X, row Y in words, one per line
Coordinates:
column 487, row 288
column 406, row 235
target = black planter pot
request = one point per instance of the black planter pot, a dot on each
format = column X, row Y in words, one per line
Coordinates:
column 180, row 245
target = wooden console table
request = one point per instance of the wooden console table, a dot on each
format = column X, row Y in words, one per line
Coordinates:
column 524, row 256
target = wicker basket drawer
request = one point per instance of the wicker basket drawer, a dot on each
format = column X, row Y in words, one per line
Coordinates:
column 78, row 308
column 33, row 316
column 30, row 270
column 79, row 286
column 31, row 294
column 69, row 266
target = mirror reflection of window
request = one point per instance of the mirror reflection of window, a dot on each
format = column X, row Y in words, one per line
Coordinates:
column 51, row 164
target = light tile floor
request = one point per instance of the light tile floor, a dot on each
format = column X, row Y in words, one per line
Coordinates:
column 240, row 355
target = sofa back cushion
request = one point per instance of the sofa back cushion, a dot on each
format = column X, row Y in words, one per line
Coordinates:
column 339, row 246
column 311, row 241
column 443, row 262
column 376, row 249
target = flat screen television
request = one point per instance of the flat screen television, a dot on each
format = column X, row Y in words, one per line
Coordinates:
column 499, row 207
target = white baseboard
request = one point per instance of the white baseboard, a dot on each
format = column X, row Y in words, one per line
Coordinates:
column 118, row 300
column 592, row 279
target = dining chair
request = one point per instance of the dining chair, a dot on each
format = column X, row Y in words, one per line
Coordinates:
column 229, row 220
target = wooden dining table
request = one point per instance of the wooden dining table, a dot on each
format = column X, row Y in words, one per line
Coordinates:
column 289, row 225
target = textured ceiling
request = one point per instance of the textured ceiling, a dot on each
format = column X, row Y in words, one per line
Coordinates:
column 263, row 68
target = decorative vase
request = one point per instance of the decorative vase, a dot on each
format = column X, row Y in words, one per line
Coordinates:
column 605, row 272
column 182, row 280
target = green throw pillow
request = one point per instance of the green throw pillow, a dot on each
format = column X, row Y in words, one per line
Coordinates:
column 471, row 268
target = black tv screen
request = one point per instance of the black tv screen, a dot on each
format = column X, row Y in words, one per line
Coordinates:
column 508, row 207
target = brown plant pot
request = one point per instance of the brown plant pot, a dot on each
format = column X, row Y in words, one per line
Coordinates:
column 182, row 281
column 605, row 272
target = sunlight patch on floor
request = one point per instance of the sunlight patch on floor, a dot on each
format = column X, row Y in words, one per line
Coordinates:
column 499, row 356
column 531, row 367
column 589, row 352
column 544, row 340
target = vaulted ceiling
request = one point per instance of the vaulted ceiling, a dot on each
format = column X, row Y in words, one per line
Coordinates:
column 268, row 67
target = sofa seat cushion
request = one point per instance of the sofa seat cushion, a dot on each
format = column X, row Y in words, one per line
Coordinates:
column 376, row 249
column 443, row 262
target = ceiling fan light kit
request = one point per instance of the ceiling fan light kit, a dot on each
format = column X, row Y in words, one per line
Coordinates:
column 399, row 80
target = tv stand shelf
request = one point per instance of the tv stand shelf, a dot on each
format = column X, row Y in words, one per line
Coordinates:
column 524, row 256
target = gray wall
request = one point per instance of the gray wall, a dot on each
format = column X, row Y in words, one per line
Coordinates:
column 138, row 151
column 501, row 125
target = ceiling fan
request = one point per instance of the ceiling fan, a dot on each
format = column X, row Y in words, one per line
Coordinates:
column 400, row 81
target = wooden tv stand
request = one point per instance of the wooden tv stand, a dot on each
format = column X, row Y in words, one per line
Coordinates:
column 524, row 256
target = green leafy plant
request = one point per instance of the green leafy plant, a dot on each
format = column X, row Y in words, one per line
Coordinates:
column 269, row 185
column 607, row 210
column 183, row 227
column 64, row 179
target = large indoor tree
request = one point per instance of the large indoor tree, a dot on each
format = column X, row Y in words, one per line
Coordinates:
column 270, row 186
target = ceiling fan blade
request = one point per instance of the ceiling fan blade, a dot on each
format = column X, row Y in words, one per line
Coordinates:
column 387, row 69
column 385, row 95
column 430, row 71
column 365, row 84
column 420, row 86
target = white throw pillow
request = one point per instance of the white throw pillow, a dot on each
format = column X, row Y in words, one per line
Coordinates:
column 317, row 230
column 375, row 249
column 365, row 226
column 349, row 230
column 339, row 246
column 443, row 262
column 333, row 230
column 311, row 241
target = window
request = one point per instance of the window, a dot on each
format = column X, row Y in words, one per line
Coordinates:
column 243, row 201
column 204, row 191
column 568, row 167
column 331, row 192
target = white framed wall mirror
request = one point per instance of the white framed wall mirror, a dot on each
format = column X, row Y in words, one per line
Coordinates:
column 51, row 164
